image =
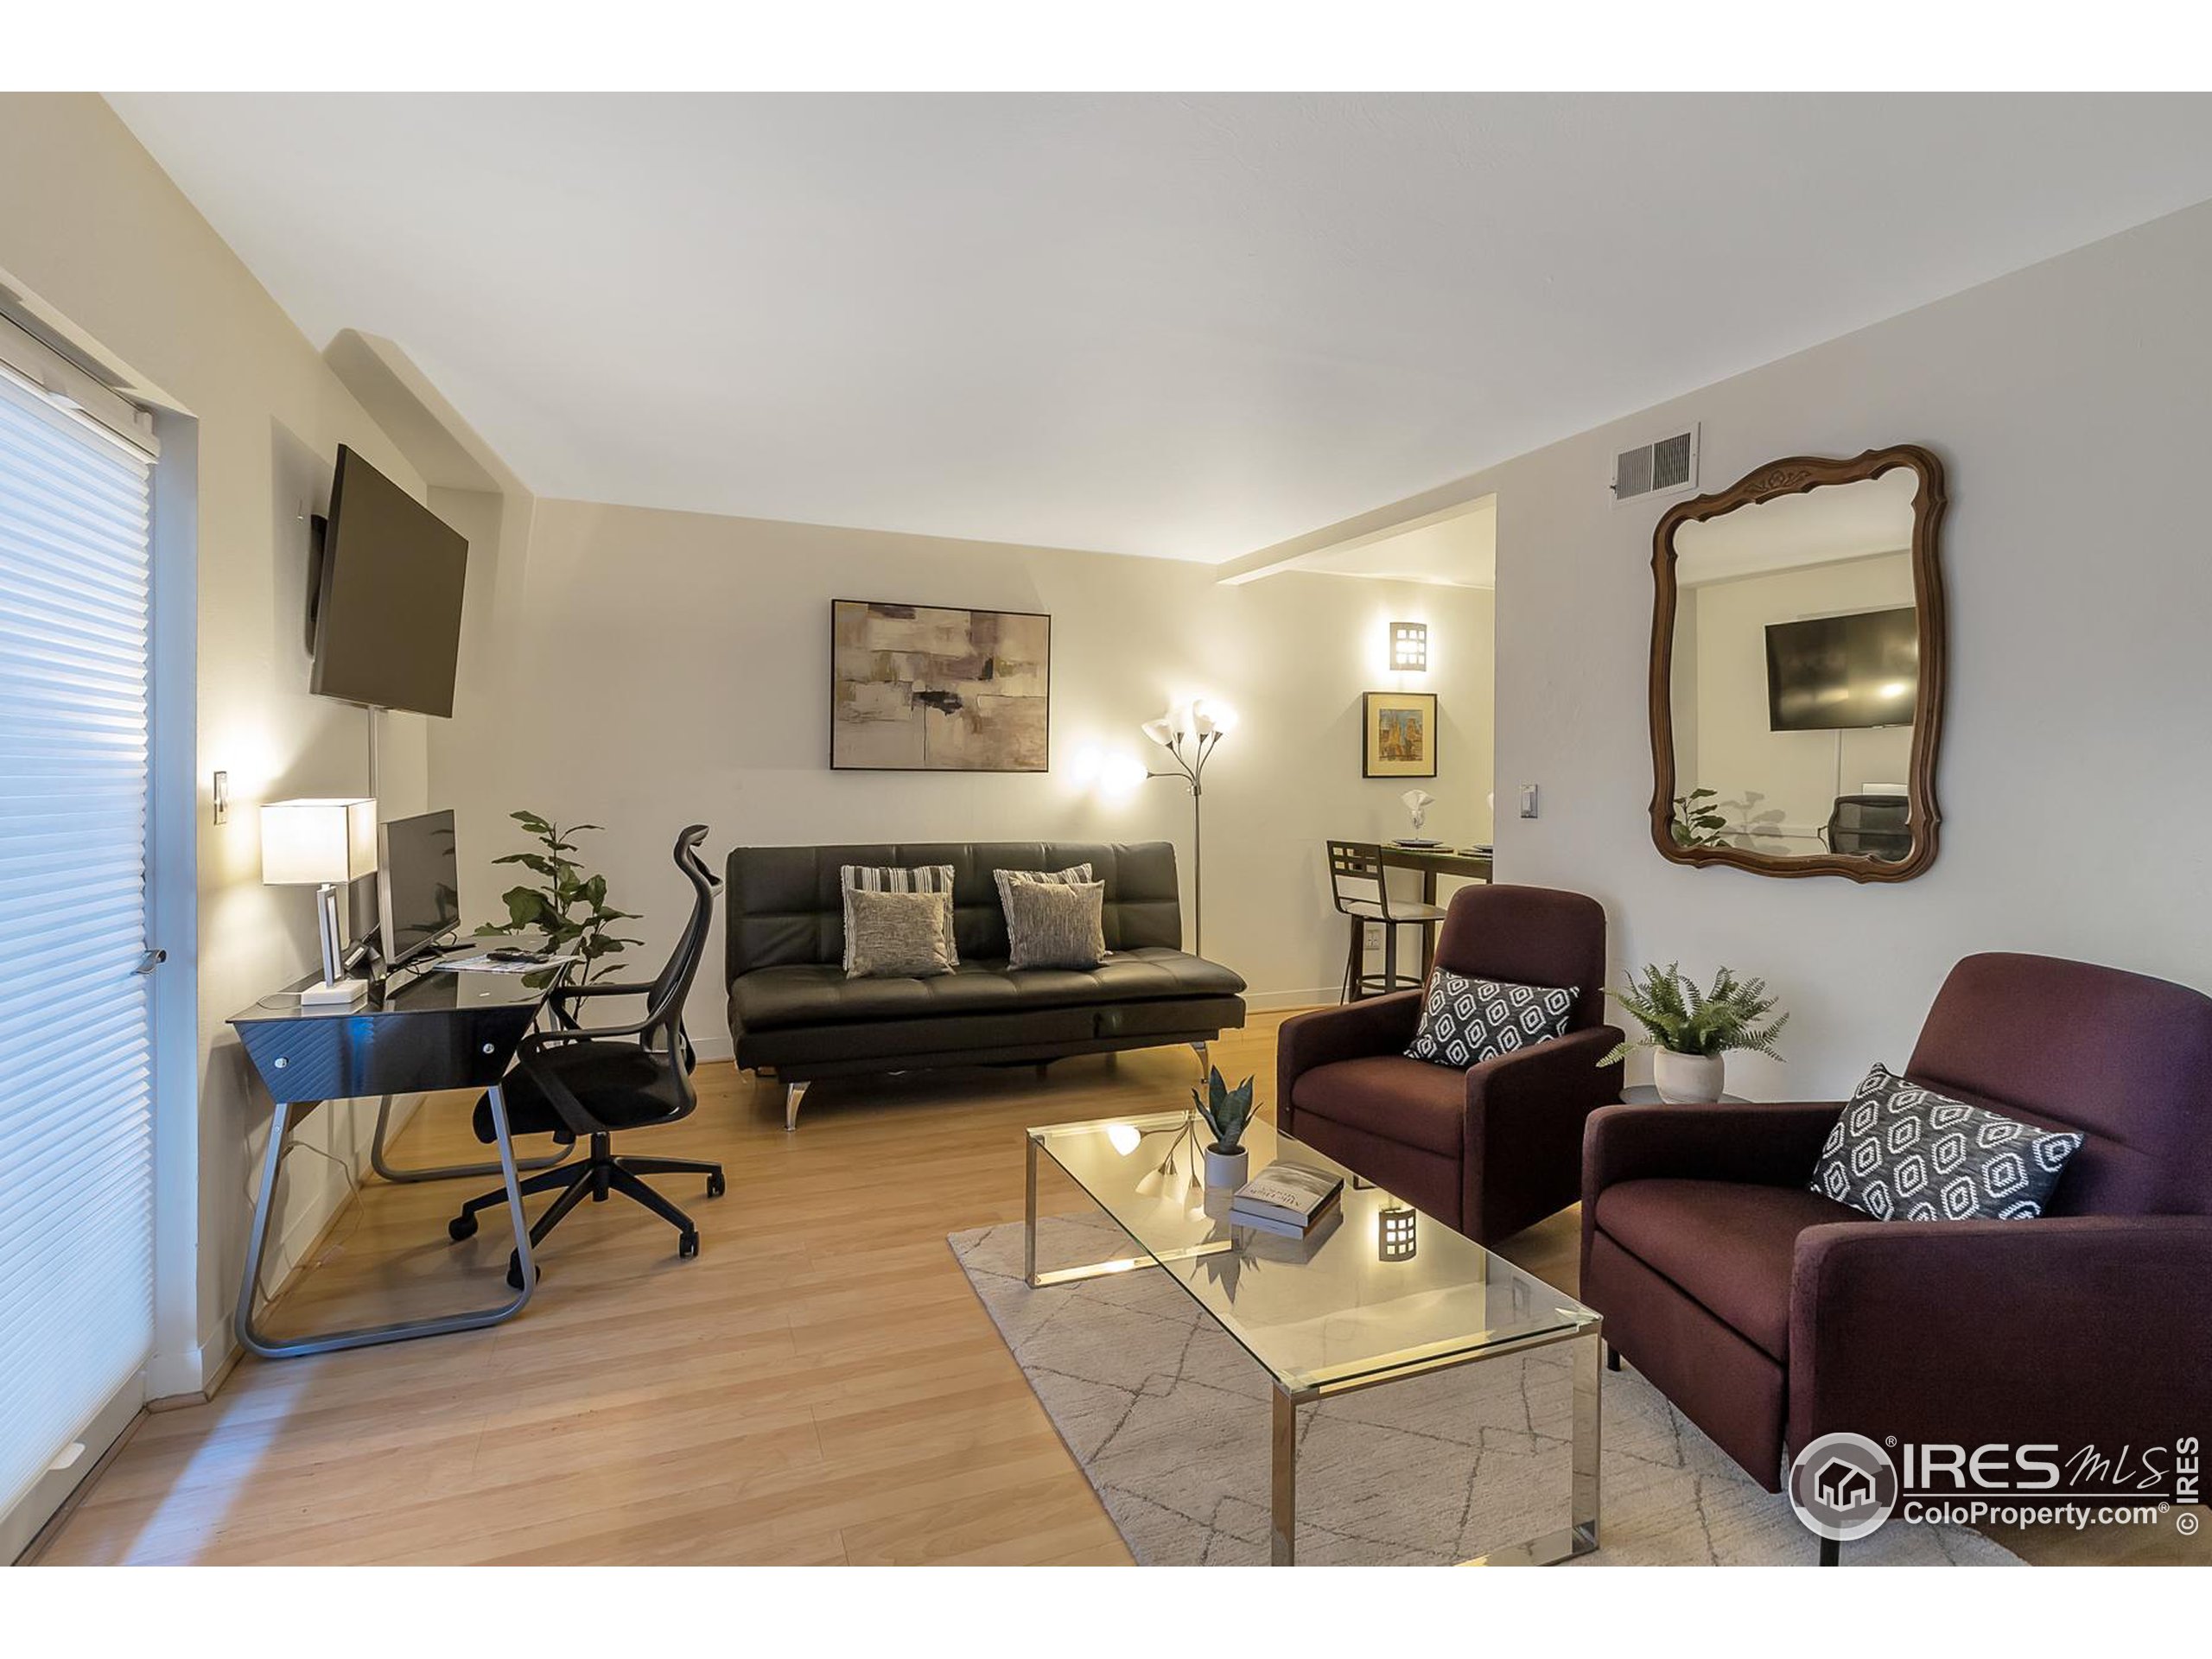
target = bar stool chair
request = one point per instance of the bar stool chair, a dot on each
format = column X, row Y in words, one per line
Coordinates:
column 1363, row 892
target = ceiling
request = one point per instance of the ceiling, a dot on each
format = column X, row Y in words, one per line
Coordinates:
column 1184, row 326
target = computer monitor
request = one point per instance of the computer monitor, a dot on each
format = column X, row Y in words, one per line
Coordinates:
column 418, row 884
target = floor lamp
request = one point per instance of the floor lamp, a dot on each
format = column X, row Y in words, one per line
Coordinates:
column 1190, row 732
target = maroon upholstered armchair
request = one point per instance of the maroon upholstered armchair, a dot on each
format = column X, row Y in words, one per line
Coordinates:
column 1771, row 1315
column 1488, row 1150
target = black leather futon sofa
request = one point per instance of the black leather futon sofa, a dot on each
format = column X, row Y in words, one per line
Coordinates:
column 792, row 1008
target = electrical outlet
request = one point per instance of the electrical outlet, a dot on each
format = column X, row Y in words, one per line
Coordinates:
column 1372, row 939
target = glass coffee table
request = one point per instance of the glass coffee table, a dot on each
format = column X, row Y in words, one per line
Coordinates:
column 1377, row 1294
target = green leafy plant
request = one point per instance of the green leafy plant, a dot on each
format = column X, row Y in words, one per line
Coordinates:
column 570, row 910
column 1676, row 1014
column 1696, row 823
column 1228, row 1111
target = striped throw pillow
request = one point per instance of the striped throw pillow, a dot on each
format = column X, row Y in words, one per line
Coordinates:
column 925, row 878
column 1008, row 879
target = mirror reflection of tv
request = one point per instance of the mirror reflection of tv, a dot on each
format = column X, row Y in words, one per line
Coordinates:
column 1839, row 673
column 418, row 882
column 387, row 609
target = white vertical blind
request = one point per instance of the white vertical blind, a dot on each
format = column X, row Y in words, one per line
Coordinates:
column 76, row 1131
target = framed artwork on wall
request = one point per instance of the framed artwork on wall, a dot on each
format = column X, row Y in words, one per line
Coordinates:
column 1398, row 735
column 922, row 688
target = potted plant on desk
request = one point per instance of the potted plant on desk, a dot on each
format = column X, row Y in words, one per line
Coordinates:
column 1228, row 1112
column 1691, row 1031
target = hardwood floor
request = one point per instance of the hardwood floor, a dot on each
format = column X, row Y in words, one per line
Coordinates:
column 819, row 1385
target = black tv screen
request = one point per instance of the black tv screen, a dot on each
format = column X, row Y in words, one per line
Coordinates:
column 1838, row 672
column 387, row 622
column 418, row 880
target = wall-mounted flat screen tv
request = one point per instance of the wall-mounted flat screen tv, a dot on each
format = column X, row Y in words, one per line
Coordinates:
column 1831, row 673
column 387, row 620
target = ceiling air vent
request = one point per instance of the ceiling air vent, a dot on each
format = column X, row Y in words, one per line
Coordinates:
column 1666, row 467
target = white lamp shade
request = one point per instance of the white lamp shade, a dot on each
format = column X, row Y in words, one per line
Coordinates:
column 307, row 842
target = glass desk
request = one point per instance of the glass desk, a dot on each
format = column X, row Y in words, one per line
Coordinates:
column 1375, row 1293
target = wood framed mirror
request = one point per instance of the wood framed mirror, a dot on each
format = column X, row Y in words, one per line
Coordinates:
column 1797, row 670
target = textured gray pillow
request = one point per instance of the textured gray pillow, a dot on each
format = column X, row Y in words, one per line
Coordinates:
column 866, row 878
column 898, row 935
column 1056, row 923
column 1903, row 1153
column 1007, row 879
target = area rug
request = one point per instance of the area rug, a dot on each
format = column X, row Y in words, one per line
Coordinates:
column 1169, row 1418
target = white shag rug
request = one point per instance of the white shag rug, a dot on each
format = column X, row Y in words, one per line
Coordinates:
column 1169, row 1418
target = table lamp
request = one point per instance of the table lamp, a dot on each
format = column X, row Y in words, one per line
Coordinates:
column 325, row 844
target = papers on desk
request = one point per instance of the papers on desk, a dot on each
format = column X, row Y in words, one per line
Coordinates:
column 485, row 963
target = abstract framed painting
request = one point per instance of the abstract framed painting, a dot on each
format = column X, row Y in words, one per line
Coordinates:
column 926, row 687
column 1398, row 735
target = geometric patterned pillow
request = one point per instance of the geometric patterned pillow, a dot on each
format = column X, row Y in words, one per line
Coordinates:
column 1903, row 1153
column 1465, row 1022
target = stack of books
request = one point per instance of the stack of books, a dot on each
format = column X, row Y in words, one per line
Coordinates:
column 1286, row 1198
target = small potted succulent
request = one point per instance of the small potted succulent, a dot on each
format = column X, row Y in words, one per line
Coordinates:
column 1690, row 1030
column 1228, row 1112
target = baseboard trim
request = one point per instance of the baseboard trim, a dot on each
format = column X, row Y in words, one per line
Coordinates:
column 180, row 1392
column 1278, row 1001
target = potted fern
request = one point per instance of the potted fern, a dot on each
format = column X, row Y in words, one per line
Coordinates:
column 1228, row 1112
column 1691, row 1030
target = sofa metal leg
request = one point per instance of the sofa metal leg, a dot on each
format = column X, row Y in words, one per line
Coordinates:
column 793, row 1093
column 1206, row 1059
column 1831, row 1552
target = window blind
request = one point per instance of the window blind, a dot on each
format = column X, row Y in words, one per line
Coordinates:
column 76, row 1131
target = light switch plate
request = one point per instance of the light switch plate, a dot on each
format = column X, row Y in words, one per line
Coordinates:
column 1528, row 800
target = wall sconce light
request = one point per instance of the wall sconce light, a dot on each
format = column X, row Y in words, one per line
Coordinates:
column 1410, row 647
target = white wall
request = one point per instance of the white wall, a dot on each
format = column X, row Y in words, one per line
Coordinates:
column 2071, row 404
column 93, row 228
column 658, row 667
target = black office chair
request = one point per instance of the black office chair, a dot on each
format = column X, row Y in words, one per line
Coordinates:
column 1871, row 826
column 592, row 1081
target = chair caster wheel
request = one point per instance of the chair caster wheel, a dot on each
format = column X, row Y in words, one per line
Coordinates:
column 687, row 1245
column 514, row 1272
column 716, row 1186
column 460, row 1227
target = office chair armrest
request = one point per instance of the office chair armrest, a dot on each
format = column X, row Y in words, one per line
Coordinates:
column 562, row 1000
column 562, row 992
column 564, row 1103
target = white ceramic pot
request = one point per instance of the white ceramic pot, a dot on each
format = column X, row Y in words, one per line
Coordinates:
column 1228, row 1169
column 1683, row 1078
